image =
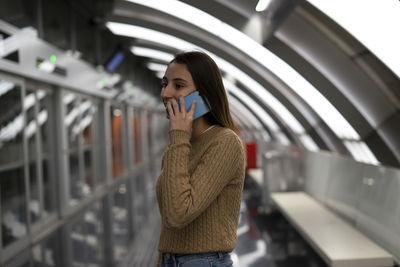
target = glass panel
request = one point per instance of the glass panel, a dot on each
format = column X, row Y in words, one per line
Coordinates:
column 95, row 236
column 12, row 183
column 87, row 124
column 37, row 256
column 138, row 150
column 116, row 135
column 343, row 188
column 88, row 110
column 51, row 256
column 30, row 132
column 34, row 202
column 76, row 184
column 87, row 238
column 316, row 172
column 11, row 124
column 78, row 243
column 147, row 124
column 120, row 227
column 71, row 121
column 138, row 201
column 133, row 138
column 379, row 209
column 13, row 205
column 89, row 177
column 23, row 260
column 79, row 119
column 46, row 133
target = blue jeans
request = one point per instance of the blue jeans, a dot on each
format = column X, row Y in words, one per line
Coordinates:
column 212, row 259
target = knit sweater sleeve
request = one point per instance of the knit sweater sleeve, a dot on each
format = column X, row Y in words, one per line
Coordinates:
column 185, row 196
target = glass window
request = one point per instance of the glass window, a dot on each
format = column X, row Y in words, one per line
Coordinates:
column 133, row 138
column 139, row 209
column 12, row 176
column 11, row 123
column 146, row 123
column 71, row 102
column 87, row 238
column 44, row 118
column 78, row 243
column 89, row 115
column 116, row 136
column 30, row 133
column 94, row 235
column 138, row 145
column 23, row 260
column 80, row 114
column 13, row 205
column 120, row 223
column 50, row 254
column 37, row 255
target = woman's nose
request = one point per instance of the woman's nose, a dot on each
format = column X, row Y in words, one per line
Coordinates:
column 166, row 92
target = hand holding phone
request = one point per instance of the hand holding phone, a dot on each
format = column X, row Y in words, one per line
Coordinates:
column 201, row 107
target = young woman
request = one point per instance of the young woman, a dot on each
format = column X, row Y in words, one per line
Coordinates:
column 199, row 189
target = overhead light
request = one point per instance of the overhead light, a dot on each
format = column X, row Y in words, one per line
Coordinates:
column 377, row 34
column 262, row 5
column 156, row 67
column 160, row 74
column 171, row 41
column 280, row 68
column 151, row 53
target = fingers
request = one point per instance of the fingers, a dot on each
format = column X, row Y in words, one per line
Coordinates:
column 183, row 104
column 175, row 106
column 170, row 110
column 192, row 109
column 174, row 109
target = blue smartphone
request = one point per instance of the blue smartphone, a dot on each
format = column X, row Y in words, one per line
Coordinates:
column 201, row 106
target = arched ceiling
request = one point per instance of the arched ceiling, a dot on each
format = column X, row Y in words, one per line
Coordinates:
column 355, row 82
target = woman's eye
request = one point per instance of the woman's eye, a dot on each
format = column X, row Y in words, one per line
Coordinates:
column 178, row 86
column 163, row 84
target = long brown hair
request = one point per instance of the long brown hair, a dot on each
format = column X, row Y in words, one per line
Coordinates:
column 208, row 81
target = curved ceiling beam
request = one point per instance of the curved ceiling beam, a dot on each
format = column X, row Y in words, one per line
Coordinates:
column 138, row 15
column 374, row 115
column 224, row 65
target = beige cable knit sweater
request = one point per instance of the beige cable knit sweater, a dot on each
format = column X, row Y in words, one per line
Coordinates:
column 199, row 191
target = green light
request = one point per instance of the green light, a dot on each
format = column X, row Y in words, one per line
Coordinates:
column 53, row 58
column 104, row 80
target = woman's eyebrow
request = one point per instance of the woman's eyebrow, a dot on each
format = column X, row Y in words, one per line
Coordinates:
column 179, row 80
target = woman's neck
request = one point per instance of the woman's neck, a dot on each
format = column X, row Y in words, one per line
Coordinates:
column 199, row 126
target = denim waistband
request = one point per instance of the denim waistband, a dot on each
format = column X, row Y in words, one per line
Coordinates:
column 168, row 256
